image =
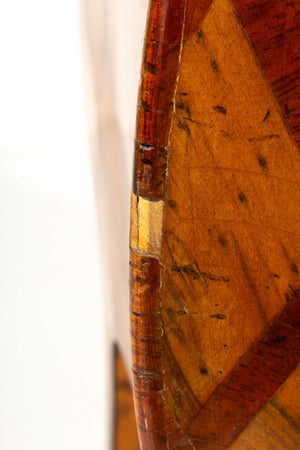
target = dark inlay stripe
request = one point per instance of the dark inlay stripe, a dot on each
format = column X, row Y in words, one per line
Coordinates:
column 274, row 30
column 251, row 384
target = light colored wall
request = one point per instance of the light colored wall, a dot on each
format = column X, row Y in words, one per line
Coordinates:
column 53, row 388
column 113, row 34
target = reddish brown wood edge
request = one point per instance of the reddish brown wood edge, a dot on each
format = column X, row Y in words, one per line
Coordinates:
column 270, row 361
column 169, row 24
column 251, row 384
column 154, row 420
column 273, row 28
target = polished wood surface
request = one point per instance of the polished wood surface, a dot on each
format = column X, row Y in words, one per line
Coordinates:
column 274, row 30
column 125, row 424
column 215, row 289
column 277, row 424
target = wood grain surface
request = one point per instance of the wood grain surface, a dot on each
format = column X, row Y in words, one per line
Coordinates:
column 274, row 30
column 215, row 243
column 277, row 425
column 125, row 437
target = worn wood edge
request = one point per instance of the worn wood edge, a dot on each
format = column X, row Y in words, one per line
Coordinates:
column 161, row 59
column 149, row 186
column 146, row 225
column 154, row 111
column 156, row 423
column 155, row 107
column 170, row 23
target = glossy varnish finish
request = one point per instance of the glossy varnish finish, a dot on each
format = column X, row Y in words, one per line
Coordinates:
column 251, row 384
column 274, row 30
column 283, row 410
column 215, row 286
column 165, row 35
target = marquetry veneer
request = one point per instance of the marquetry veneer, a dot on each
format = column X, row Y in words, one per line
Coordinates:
column 215, row 239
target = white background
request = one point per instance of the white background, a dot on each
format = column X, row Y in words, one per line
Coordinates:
column 52, row 389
